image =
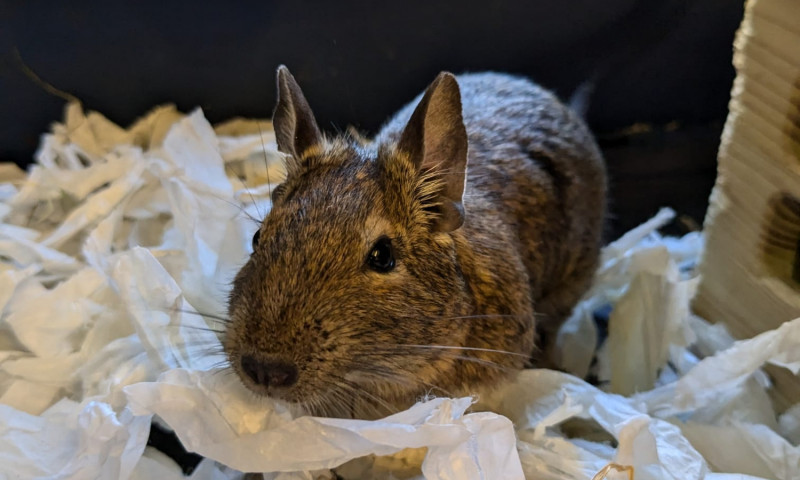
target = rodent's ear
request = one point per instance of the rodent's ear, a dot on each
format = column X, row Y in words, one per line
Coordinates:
column 296, row 129
column 436, row 140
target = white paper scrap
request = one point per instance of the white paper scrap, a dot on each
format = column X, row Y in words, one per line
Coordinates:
column 253, row 435
column 116, row 253
column 71, row 441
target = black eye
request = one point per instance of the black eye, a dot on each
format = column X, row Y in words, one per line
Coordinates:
column 255, row 238
column 381, row 256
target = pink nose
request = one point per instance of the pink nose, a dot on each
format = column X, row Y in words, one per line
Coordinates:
column 272, row 373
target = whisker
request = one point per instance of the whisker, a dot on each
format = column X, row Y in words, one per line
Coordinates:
column 252, row 199
column 347, row 405
column 434, row 387
column 240, row 207
column 481, row 361
column 378, row 402
column 202, row 329
column 224, row 320
column 468, row 349
column 195, row 343
column 223, row 371
column 382, row 351
column 410, row 380
column 222, row 365
column 335, row 398
column 413, row 318
column 360, row 391
column 490, row 315
column 266, row 161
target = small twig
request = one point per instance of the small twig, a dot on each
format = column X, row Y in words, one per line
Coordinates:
column 614, row 466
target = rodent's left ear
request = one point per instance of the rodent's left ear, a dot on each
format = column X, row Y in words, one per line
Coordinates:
column 436, row 140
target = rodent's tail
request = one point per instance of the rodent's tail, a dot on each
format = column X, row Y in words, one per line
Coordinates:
column 581, row 98
column 648, row 22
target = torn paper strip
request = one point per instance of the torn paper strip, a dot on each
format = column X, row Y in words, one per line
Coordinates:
column 116, row 252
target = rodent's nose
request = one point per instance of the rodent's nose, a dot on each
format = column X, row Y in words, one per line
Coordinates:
column 272, row 373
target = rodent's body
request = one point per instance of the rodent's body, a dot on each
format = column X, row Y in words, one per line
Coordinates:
column 471, row 285
column 535, row 196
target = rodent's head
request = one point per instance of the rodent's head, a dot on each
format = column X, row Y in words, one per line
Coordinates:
column 354, row 271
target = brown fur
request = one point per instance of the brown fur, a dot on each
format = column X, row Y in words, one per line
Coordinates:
column 479, row 275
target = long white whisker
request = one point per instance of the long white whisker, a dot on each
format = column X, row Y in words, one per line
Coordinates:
column 469, row 349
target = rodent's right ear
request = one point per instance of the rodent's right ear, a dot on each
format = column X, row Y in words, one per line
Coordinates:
column 296, row 129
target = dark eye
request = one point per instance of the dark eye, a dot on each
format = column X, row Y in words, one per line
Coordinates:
column 255, row 238
column 381, row 256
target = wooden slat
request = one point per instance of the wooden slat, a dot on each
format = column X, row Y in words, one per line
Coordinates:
column 759, row 158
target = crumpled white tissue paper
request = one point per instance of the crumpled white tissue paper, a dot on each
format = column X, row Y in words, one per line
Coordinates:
column 115, row 255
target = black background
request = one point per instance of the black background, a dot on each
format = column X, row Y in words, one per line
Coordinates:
column 666, row 63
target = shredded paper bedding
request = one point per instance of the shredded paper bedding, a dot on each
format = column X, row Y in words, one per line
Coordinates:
column 117, row 239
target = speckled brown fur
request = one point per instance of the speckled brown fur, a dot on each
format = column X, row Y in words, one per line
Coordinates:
column 533, row 208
